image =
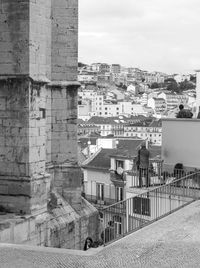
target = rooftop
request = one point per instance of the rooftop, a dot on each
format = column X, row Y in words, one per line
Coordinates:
column 125, row 149
column 101, row 160
column 170, row 242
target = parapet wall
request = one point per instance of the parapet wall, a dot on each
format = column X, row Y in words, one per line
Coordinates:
column 180, row 143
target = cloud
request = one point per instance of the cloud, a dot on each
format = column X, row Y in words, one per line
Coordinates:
column 151, row 34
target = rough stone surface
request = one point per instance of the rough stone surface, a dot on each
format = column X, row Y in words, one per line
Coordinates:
column 38, row 125
column 25, row 38
column 64, row 40
column 24, row 183
column 170, row 242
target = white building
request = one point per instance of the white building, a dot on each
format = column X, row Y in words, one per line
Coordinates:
column 173, row 100
column 151, row 132
column 157, row 104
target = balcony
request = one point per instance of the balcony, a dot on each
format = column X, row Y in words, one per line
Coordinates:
column 106, row 197
column 139, row 210
column 144, row 178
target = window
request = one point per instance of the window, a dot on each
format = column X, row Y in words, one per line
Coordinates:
column 42, row 113
column 118, row 194
column 100, row 191
column 119, row 163
column 106, row 108
column 141, row 206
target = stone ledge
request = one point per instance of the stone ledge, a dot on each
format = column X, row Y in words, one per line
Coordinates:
column 24, row 178
column 181, row 119
column 90, row 252
column 39, row 79
column 64, row 83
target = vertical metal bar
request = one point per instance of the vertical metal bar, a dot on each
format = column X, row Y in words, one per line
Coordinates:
column 127, row 215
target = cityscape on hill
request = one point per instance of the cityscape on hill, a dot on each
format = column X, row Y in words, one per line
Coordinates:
column 99, row 163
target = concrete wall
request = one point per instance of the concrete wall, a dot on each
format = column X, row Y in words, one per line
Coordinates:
column 160, row 204
column 180, row 142
column 92, row 177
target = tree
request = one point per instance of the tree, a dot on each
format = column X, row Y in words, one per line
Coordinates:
column 154, row 85
column 185, row 85
column 173, row 86
column 80, row 64
column 193, row 79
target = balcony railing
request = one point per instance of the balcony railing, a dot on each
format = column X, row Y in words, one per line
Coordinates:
column 106, row 197
column 131, row 214
column 147, row 177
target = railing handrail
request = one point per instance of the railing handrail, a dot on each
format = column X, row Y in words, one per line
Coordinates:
column 152, row 190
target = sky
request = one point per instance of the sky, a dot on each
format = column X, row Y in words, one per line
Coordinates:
column 154, row 35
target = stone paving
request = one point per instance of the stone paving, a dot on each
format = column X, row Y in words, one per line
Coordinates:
column 173, row 241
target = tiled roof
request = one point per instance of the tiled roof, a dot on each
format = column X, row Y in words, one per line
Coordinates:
column 159, row 99
column 156, row 123
column 107, row 120
column 83, row 142
column 101, row 161
column 128, row 148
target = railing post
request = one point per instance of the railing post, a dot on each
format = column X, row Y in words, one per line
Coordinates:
column 127, row 215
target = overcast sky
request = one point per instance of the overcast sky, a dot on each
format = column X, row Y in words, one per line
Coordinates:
column 160, row 35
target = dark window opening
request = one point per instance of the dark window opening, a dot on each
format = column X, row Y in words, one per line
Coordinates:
column 42, row 113
column 141, row 206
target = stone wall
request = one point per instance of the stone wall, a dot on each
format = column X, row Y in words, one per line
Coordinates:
column 25, row 38
column 64, row 40
column 61, row 227
column 14, row 37
column 38, row 126
column 24, row 184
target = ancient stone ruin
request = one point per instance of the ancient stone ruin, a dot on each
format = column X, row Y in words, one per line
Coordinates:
column 40, row 181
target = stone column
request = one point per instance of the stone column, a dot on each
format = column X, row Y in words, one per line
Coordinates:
column 67, row 174
column 24, row 72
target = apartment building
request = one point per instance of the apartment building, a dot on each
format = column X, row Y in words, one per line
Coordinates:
column 104, row 68
column 150, row 131
column 158, row 105
column 172, row 99
column 109, row 125
column 108, row 173
column 154, row 77
column 115, row 68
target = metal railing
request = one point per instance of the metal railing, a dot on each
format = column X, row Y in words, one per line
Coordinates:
column 145, row 177
column 137, row 211
column 109, row 195
column 105, row 197
column 152, row 176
